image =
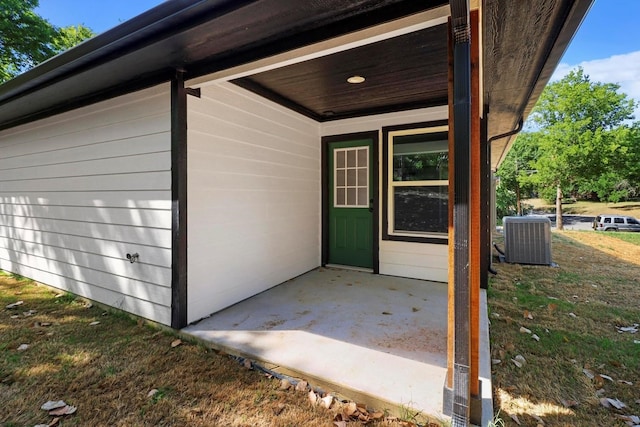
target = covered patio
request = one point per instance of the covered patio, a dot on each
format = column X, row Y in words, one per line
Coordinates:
column 377, row 339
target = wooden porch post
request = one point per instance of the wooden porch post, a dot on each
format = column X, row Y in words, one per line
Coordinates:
column 465, row 237
column 475, row 234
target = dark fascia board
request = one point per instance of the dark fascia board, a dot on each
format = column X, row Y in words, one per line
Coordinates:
column 160, row 22
column 44, row 90
column 572, row 22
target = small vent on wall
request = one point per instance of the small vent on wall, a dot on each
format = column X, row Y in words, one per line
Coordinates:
column 527, row 240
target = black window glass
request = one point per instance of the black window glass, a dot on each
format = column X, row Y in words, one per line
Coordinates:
column 421, row 209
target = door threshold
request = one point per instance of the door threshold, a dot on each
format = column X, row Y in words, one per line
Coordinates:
column 350, row 267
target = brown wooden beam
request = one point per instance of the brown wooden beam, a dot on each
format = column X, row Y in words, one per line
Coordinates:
column 451, row 287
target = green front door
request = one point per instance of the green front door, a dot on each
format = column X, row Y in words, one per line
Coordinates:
column 350, row 203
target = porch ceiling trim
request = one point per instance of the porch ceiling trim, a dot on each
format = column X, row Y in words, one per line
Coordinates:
column 199, row 36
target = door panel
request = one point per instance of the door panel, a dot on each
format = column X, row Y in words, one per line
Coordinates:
column 350, row 204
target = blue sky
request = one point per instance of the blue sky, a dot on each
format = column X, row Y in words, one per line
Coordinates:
column 607, row 45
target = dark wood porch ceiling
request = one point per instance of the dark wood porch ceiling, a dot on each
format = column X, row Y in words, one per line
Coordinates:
column 401, row 73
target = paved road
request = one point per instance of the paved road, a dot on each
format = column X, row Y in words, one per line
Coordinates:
column 573, row 222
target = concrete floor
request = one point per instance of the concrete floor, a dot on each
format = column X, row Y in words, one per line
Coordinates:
column 378, row 339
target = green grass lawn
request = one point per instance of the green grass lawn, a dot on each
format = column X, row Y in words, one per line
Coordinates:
column 628, row 237
column 574, row 310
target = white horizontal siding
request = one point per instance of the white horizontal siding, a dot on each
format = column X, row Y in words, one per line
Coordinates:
column 406, row 259
column 254, row 197
column 80, row 190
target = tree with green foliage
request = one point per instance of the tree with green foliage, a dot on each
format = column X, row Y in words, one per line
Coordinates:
column 513, row 173
column 583, row 140
column 26, row 39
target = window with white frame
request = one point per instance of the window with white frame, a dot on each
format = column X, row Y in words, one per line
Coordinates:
column 351, row 179
column 417, row 193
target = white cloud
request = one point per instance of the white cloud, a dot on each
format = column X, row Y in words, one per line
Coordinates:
column 621, row 69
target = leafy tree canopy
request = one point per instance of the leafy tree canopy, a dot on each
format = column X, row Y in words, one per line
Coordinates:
column 26, row 39
column 583, row 145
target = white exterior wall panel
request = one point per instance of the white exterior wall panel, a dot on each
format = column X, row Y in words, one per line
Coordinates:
column 406, row 259
column 254, row 197
column 80, row 190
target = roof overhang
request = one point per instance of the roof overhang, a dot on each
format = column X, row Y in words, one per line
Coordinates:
column 265, row 45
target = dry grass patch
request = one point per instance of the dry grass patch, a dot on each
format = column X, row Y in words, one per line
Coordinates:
column 575, row 310
column 108, row 369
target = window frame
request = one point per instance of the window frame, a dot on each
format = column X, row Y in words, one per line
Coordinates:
column 346, row 185
column 388, row 184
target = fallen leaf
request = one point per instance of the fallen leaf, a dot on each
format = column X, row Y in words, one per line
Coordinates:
column 568, row 403
column 54, row 422
column 45, row 324
column 340, row 423
column 625, row 382
column 52, row 404
column 15, row 304
column 175, row 343
column 573, row 315
column 524, row 330
column 552, row 307
column 377, row 415
column 15, row 316
column 496, row 361
column 94, row 323
column 606, row 377
column 616, row 403
column 152, row 392
column 588, row 373
column 350, row 409
column 313, row 397
column 514, row 417
column 285, row 384
column 527, row 315
column 598, row 381
column 23, row 347
column 277, row 410
column 301, row 386
column 247, row 364
column 327, row 401
column 535, row 337
column 65, row 410
column 631, row 329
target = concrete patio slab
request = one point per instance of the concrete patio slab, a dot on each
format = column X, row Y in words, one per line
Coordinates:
column 371, row 337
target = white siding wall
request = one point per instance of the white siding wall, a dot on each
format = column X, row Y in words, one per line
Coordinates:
column 80, row 190
column 254, row 197
column 406, row 259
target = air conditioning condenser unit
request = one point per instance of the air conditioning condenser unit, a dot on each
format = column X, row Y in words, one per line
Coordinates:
column 527, row 239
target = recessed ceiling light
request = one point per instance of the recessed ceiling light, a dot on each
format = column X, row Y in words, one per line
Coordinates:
column 356, row 79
